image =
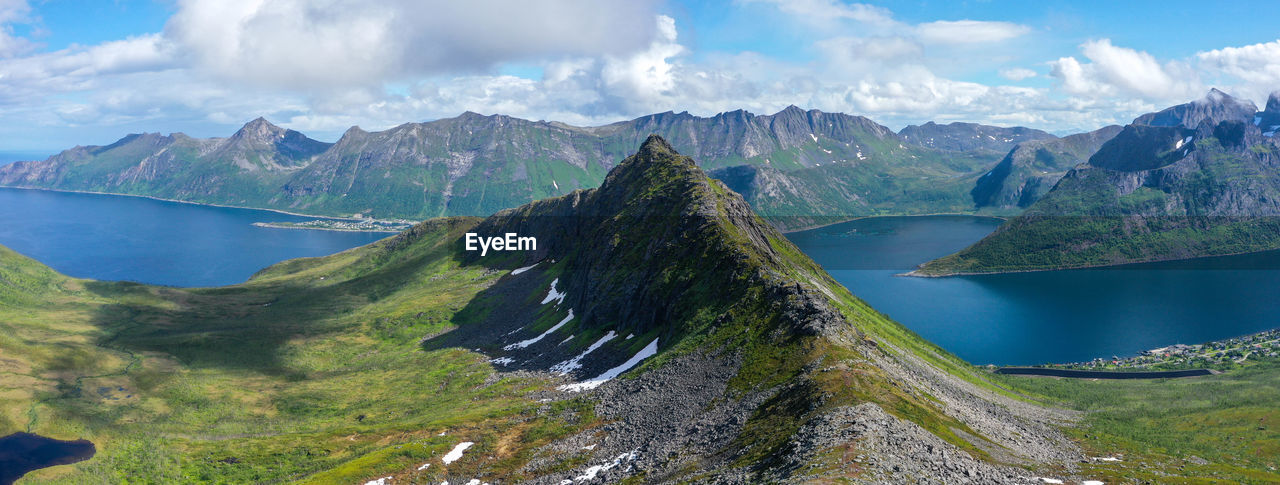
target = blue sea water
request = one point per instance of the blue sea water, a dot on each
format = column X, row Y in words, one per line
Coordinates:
column 1050, row 316
column 150, row 241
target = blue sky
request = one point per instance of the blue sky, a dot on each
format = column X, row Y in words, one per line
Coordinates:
column 80, row 72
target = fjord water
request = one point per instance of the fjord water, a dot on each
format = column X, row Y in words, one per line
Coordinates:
column 150, row 241
column 1050, row 316
column 24, row 452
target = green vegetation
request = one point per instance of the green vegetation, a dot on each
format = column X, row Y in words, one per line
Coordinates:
column 315, row 370
column 1167, row 426
column 313, row 366
column 830, row 168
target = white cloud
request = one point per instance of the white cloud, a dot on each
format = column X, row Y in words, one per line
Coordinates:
column 1114, row 70
column 871, row 48
column 1017, row 73
column 381, row 65
column 13, row 12
column 300, row 44
column 647, row 76
column 829, row 12
column 1257, row 64
column 969, row 31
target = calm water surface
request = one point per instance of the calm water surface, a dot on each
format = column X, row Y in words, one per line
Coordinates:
column 130, row 238
column 24, row 452
column 1024, row 318
column 1051, row 316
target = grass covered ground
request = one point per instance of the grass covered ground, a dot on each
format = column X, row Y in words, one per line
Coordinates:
column 312, row 371
column 1213, row 429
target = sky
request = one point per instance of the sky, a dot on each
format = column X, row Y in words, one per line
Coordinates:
column 89, row 72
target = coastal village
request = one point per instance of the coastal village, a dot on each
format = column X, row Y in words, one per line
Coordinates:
column 357, row 225
column 1217, row 355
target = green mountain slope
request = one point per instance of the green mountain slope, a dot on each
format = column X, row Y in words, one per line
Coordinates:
column 1153, row 192
column 1032, row 168
column 477, row 165
column 379, row 360
column 659, row 332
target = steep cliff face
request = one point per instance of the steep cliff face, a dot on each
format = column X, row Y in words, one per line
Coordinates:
column 1269, row 119
column 1152, row 192
column 1032, row 168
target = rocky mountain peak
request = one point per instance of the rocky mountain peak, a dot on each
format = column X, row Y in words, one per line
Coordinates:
column 1215, row 107
column 653, row 147
column 1273, row 102
column 260, row 130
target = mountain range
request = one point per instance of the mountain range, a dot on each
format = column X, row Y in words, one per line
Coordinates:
column 1197, row 179
column 798, row 168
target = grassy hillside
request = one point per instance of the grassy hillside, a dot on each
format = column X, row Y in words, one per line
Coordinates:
column 376, row 361
column 1223, row 428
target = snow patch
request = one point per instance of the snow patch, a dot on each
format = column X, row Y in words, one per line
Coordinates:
column 525, row 343
column 424, row 466
column 648, row 351
column 815, row 137
column 589, row 447
column 591, row 472
column 553, row 294
column 502, row 361
column 456, row 453
column 1092, row 482
column 526, row 268
column 1257, row 120
column 380, row 481
column 1048, row 480
column 554, row 184
column 576, row 362
column 630, row 336
column 562, row 342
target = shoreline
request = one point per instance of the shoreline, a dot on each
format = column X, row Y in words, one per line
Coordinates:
column 277, row 225
column 161, row 199
column 916, row 274
column 859, row 218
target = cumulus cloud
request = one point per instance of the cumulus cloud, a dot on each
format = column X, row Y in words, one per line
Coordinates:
column 323, row 66
column 871, row 48
column 1017, row 73
column 830, row 12
column 302, row 44
column 969, row 31
column 13, row 12
column 1113, row 70
column 1257, row 63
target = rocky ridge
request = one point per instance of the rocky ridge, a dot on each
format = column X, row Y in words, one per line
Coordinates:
column 748, row 333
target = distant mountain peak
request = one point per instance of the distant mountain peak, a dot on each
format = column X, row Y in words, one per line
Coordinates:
column 260, row 130
column 791, row 108
column 1215, row 107
column 1273, row 102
